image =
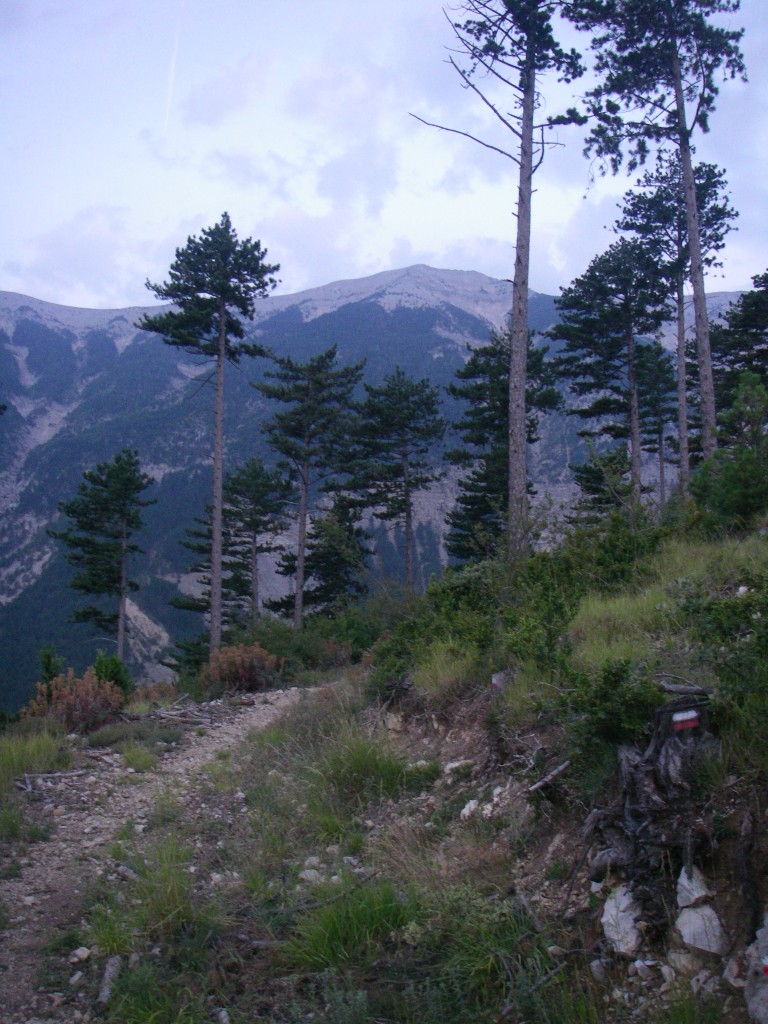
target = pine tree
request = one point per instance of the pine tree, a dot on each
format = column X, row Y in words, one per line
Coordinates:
column 336, row 561
column 620, row 296
column 478, row 521
column 104, row 517
column 312, row 433
column 213, row 283
column 658, row 62
column 741, row 343
column 400, row 423
column 254, row 513
column 657, row 392
column 511, row 43
column 655, row 213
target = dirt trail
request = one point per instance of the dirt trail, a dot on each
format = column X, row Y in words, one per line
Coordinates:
column 86, row 809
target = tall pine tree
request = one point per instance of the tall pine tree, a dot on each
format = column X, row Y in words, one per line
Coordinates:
column 312, row 431
column 213, row 283
column 400, row 423
column 658, row 63
column 620, row 296
column 478, row 521
column 511, row 44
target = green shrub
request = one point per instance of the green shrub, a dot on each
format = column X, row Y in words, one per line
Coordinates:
column 110, row 669
column 615, row 705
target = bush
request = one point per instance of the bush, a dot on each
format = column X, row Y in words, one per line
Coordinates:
column 109, row 669
column 78, row 703
column 246, row 667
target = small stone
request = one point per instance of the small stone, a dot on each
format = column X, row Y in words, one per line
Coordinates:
column 684, row 962
column 468, row 809
column 311, row 876
column 668, row 973
column 732, row 975
column 598, row 971
column 556, row 951
column 698, row 983
column 79, row 955
column 313, row 862
column 76, row 978
column 643, row 969
column 58, row 812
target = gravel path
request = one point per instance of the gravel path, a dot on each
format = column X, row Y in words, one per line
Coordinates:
column 86, row 809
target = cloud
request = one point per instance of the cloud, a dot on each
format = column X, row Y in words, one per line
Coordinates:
column 216, row 99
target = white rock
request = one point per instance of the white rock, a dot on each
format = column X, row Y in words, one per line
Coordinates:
column 79, row 955
column 313, row 862
column 311, row 876
column 691, row 888
column 619, row 921
column 468, row 809
column 701, row 929
column 455, row 766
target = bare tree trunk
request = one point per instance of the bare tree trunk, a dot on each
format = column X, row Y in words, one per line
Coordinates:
column 410, row 574
column 518, row 512
column 684, row 471
column 218, row 480
column 634, row 422
column 662, row 470
column 703, row 350
column 255, row 612
column 122, row 611
column 301, row 546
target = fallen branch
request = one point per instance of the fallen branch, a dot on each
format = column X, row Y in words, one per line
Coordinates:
column 551, row 777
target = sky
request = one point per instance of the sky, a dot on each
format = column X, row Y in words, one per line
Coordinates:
column 128, row 127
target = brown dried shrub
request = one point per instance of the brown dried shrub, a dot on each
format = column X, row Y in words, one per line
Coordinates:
column 81, row 704
column 244, row 667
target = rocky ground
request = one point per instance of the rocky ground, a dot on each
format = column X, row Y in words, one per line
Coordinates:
column 82, row 810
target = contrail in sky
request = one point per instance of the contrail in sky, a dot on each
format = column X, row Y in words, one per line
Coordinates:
column 172, row 66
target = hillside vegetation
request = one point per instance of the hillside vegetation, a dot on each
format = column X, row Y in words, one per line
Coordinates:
column 413, row 843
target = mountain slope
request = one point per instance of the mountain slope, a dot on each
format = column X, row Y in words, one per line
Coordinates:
column 81, row 385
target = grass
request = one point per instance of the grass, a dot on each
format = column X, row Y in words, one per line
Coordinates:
column 146, row 733
column 138, row 757
column 350, row 926
column 445, row 670
column 33, row 753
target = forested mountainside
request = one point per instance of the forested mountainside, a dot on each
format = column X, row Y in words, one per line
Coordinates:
column 81, row 385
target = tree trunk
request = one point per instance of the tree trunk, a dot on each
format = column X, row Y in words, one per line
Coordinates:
column 410, row 574
column 218, row 479
column 684, row 471
column 301, row 546
column 662, row 470
column 634, row 422
column 518, row 512
column 122, row 610
column 255, row 613
column 704, row 355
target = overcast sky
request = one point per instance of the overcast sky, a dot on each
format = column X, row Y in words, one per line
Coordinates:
column 127, row 126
